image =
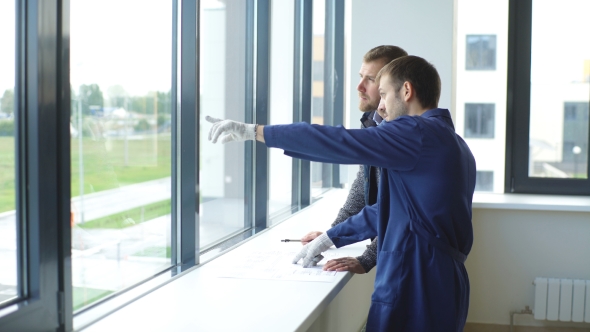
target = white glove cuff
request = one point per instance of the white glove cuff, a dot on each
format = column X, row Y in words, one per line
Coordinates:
column 324, row 241
column 250, row 133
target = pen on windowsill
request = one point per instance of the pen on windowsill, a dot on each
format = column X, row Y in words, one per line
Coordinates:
column 290, row 240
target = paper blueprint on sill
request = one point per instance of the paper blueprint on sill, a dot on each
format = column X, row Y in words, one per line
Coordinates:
column 276, row 265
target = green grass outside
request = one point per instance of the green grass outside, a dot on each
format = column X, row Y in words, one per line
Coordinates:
column 83, row 296
column 7, row 172
column 108, row 164
column 155, row 252
column 130, row 217
column 104, row 162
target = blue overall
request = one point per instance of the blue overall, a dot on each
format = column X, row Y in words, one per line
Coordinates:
column 422, row 216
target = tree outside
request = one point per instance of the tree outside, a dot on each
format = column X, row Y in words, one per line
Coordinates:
column 7, row 103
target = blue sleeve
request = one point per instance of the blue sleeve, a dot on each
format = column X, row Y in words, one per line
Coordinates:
column 396, row 144
column 357, row 228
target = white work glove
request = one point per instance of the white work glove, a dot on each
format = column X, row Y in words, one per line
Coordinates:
column 311, row 252
column 230, row 130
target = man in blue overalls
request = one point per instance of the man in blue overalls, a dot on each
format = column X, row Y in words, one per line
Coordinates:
column 423, row 213
column 363, row 190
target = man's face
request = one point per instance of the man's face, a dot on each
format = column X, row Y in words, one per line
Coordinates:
column 391, row 105
column 367, row 88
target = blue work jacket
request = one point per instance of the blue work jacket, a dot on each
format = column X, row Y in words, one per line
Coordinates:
column 422, row 216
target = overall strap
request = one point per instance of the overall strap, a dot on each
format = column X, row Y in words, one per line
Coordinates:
column 437, row 243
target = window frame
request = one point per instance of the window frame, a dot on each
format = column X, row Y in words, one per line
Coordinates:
column 518, row 113
column 42, row 109
column 42, row 101
column 302, row 85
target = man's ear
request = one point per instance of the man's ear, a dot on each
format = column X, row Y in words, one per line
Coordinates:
column 408, row 91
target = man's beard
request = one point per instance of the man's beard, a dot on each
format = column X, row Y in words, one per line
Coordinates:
column 367, row 106
column 399, row 109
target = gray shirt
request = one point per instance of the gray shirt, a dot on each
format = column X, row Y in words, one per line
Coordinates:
column 355, row 202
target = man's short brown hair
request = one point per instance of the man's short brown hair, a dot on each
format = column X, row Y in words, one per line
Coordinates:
column 387, row 53
column 420, row 73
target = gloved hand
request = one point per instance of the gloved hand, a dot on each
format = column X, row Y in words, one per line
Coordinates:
column 311, row 252
column 230, row 130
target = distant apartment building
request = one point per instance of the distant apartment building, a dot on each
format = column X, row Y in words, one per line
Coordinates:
column 558, row 141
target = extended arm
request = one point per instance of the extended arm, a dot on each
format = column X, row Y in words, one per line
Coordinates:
column 399, row 146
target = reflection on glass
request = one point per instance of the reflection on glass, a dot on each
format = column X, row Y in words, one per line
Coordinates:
column 8, row 233
column 281, row 99
column 120, row 144
column 222, row 96
column 558, row 141
column 321, row 174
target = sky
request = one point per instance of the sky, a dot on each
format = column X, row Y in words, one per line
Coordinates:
column 129, row 42
column 560, row 40
column 115, row 42
column 7, row 38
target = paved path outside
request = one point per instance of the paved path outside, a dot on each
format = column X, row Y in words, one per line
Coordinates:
column 112, row 259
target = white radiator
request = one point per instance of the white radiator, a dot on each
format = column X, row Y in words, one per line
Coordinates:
column 567, row 300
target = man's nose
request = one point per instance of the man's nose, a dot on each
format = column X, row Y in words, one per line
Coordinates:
column 361, row 86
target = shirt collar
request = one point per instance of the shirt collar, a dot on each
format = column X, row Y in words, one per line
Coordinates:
column 377, row 118
column 367, row 120
column 439, row 112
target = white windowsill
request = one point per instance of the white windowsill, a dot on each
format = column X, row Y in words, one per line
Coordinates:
column 199, row 300
column 531, row 202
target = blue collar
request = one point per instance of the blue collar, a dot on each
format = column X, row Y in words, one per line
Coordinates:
column 439, row 112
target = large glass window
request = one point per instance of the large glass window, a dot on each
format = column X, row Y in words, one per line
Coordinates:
column 102, row 182
column 548, row 111
column 120, row 144
column 8, row 224
column 223, row 51
column 321, row 174
column 558, row 138
column 281, row 105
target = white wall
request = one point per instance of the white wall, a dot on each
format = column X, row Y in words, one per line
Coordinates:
column 511, row 248
column 421, row 27
column 349, row 310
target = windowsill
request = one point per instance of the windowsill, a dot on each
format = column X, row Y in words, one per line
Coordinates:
column 531, row 202
column 200, row 300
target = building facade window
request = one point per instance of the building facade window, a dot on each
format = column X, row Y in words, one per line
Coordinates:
column 317, row 108
column 479, row 120
column 317, row 70
column 481, row 52
column 484, row 181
